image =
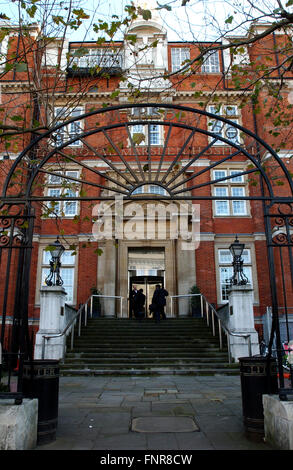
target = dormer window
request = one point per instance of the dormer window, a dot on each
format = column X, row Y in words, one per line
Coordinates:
column 211, row 63
column 179, row 57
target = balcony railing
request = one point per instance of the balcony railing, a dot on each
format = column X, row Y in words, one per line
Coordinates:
column 96, row 63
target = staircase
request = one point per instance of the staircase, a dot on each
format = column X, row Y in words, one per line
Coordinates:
column 129, row 347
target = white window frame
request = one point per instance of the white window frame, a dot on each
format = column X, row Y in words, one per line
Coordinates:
column 150, row 189
column 68, row 264
column 60, row 207
column 71, row 130
column 144, row 130
column 178, row 57
column 211, row 63
column 221, row 128
column 227, row 264
column 229, row 186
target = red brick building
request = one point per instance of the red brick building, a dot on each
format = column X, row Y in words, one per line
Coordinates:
column 155, row 153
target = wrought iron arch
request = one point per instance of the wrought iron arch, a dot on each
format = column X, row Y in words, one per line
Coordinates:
column 116, row 159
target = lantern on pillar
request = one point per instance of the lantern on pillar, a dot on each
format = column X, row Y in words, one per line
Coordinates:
column 56, row 249
column 236, row 249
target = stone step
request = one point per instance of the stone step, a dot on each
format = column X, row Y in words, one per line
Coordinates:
column 144, row 360
column 149, row 372
column 123, row 346
column 149, row 365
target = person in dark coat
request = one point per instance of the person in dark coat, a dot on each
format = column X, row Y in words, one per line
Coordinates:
column 159, row 302
column 132, row 296
column 139, row 302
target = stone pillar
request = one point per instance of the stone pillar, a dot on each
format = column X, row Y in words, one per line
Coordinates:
column 109, row 307
column 185, row 277
column 52, row 302
column 278, row 422
column 241, row 321
column 18, row 425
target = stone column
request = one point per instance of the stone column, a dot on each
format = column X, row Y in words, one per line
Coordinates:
column 52, row 302
column 185, row 277
column 241, row 321
column 109, row 307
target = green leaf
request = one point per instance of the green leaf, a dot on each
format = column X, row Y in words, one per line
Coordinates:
column 146, row 14
column 80, row 52
column 16, row 118
column 229, row 19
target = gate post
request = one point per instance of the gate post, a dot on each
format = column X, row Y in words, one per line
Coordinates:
column 52, row 302
column 241, row 320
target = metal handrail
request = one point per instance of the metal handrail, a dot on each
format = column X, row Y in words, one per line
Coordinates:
column 209, row 307
column 72, row 322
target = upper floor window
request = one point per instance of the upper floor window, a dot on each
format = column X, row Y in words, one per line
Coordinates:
column 70, row 130
column 211, row 63
column 231, row 187
column 150, row 189
column 228, row 131
column 179, row 57
column 103, row 58
column 146, row 134
column 60, row 188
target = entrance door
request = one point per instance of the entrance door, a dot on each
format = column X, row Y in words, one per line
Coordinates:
column 148, row 284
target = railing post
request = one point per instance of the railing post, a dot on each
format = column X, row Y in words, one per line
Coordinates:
column 91, row 311
column 213, row 322
column 171, row 306
column 201, row 305
column 85, row 316
column 72, row 335
column 220, row 334
column 207, row 313
column 79, row 324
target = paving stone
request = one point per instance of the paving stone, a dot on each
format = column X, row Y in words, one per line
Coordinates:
column 129, row 441
column 155, row 424
column 193, row 441
column 162, row 441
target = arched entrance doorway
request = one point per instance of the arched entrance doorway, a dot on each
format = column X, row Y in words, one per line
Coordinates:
column 136, row 155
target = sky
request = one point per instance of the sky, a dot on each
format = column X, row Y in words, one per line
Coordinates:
column 199, row 20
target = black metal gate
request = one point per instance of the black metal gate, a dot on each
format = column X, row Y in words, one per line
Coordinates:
column 139, row 146
column 16, row 232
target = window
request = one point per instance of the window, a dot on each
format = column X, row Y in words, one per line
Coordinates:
column 66, row 272
column 222, row 129
column 97, row 58
column 151, row 189
column 179, row 56
column 226, row 270
column 232, row 187
column 67, row 188
column 211, row 63
column 72, row 129
column 146, row 134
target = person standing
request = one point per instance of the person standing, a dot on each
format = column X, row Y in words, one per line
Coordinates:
column 132, row 296
column 159, row 302
column 139, row 304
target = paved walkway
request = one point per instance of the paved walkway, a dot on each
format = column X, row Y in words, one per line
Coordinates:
column 151, row 413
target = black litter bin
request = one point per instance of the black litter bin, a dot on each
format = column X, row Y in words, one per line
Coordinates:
column 258, row 377
column 41, row 381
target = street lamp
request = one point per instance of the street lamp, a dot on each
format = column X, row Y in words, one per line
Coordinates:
column 56, row 250
column 236, row 249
